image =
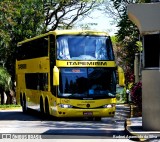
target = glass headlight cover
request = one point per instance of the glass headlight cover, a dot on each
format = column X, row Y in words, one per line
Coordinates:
column 65, row 106
column 109, row 105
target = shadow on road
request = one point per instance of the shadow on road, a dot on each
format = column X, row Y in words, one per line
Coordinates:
column 31, row 115
column 121, row 114
column 80, row 133
column 66, row 128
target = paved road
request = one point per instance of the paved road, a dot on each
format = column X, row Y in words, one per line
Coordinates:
column 16, row 122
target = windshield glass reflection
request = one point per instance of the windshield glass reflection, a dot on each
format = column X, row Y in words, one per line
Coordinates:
column 84, row 48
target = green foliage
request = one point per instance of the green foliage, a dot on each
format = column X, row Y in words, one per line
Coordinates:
column 120, row 95
column 139, row 45
column 18, row 20
column 114, row 39
column 12, row 106
column 127, row 36
column 5, row 79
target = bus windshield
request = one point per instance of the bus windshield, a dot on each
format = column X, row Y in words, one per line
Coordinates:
column 87, row 83
column 84, row 47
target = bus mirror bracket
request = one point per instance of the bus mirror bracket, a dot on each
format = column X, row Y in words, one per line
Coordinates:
column 55, row 76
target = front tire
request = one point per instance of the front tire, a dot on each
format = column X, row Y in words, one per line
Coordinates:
column 41, row 106
column 47, row 107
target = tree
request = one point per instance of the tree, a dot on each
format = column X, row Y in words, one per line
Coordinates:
column 118, row 51
column 5, row 82
column 62, row 14
column 18, row 20
column 127, row 35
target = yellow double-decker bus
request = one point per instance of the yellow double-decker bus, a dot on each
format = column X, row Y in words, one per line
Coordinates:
column 67, row 73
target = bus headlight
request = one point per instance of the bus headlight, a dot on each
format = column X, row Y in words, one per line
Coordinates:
column 109, row 106
column 65, row 106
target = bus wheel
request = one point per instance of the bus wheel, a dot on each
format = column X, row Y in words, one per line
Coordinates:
column 47, row 107
column 21, row 100
column 97, row 118
column 24, row 106
column 41, row 106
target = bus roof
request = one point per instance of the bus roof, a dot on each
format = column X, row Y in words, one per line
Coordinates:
column 66, row 32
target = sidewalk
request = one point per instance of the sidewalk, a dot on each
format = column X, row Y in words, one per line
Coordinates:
column 133, row 127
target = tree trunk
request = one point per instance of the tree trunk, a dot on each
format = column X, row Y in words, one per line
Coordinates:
column 2, row 95
column 9, row 97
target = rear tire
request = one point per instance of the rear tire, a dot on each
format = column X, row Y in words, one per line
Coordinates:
column 21, row 100
column 42, row 115
column 24, row 105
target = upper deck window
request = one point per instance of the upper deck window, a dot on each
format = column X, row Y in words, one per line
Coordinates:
column 84, row 48
column 33, row 49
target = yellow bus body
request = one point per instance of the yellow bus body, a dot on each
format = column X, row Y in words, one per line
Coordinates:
column 33, row 97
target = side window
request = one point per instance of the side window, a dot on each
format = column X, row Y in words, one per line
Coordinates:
column 33, row 49
column 43, row 81
column 37, row 81
column 40, row 47
column 31, row 80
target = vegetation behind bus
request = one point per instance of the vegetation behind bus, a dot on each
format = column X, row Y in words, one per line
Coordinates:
column 6, row 89
column 9, row 107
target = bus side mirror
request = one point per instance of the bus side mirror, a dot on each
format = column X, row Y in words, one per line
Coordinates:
column 55, row 76
column 121, row 77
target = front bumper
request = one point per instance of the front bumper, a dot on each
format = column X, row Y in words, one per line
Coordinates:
column 72, row 112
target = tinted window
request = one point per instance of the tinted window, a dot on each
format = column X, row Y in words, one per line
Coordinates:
column 33, row 49
column 37, row 81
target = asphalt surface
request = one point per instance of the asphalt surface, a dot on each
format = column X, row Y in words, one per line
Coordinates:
column 31, row 125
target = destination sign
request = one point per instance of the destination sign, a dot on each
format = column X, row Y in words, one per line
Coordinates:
column 85, row 63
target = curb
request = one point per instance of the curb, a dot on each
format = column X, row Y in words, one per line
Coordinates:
column 132, row 135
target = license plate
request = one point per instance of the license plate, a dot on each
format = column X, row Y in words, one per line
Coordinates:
column 88, row 113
